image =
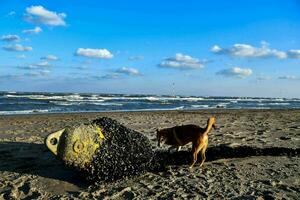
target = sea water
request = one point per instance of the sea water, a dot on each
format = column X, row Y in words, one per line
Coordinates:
column 26, row 102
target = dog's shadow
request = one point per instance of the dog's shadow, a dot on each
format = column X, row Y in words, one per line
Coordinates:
column 223, row 152
column 35, row 159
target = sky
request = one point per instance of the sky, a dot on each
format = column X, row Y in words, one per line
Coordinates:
column 192, row 47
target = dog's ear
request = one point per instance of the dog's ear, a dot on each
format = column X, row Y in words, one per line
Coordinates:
column 157, row 132
column 212, row 121
column 214, row 126
column 208, row 119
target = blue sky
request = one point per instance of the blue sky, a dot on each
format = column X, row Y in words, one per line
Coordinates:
column 231, row 48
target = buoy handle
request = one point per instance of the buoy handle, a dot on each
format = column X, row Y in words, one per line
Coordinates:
column 52, row 141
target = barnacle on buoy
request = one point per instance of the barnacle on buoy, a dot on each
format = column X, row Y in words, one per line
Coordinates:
column 103, row 150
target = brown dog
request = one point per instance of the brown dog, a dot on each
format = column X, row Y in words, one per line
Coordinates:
column 181, row 135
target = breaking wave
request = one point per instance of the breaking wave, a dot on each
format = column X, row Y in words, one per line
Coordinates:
column 28, row 103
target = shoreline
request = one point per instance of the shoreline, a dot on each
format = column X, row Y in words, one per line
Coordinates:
column 154, row 111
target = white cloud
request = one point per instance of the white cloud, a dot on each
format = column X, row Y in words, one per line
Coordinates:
column 42, row 64
column 50, row 58
column 289, row 77
column 38, row 73
column 133, row 58
column 82, row 67
column 215, row 49
column 263, row 78
column 117, row 73
column 109, row 76
column 28, row 67
column 181, row 61
column 128, row 71
column 294, row 53
column 22, row 56
column 10, row 38
column 11, row 13
column 94, row 53
column 40, row 15
column 248, row 51
column 17, row 47
column 235, row 72
column 35, row 30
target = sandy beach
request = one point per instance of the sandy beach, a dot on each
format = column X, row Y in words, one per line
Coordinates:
column 29, row 171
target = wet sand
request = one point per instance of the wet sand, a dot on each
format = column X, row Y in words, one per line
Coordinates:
column 29, row 171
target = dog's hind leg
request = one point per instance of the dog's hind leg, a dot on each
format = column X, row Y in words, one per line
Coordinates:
column 203, row 150
column 203, row 156
column 194, row 152
column 196, row 149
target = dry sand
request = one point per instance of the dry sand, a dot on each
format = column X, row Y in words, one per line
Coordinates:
column 29, row 171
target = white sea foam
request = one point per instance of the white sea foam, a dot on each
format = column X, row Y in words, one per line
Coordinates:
column 23, row 112
column 279, row 104
column 62, row 103
column 178, row 108
column 107, row 104
column 88, row 102
column 200, row 106
column 153, row 109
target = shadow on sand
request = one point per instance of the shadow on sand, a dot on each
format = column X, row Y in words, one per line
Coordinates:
column 35, row 159
column 225, row 152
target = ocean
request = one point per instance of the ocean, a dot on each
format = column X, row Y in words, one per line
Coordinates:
column 30, row 103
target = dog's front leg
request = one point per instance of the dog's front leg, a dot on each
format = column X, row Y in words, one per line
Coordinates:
column 194, row 153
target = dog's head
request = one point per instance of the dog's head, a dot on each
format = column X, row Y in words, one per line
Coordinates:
column 212, row 122
column 160, row 136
